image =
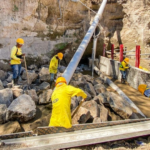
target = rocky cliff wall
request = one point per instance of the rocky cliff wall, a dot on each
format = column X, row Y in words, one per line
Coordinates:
column 45, row 28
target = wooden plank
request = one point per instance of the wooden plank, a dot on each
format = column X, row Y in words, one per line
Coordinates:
column 16, row 135
column 52, row 130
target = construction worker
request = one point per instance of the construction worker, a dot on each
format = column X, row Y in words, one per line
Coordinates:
column 16, row 59
column 61, row 101
column 124, row 65
column 54, row 65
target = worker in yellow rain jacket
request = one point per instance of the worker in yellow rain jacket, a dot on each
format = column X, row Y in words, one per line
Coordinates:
column 54, row 65
column 61, row 101
column 16, row 59
column 124, row 65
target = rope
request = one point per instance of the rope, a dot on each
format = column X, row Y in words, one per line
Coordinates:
column 87, row 7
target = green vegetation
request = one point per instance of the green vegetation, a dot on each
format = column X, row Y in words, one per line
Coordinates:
column 15, row 9
column 61, row 46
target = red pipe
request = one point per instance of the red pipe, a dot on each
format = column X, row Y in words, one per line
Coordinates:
column 137, row 55
column 112, row 51
column 121, row 52
column 104, row 49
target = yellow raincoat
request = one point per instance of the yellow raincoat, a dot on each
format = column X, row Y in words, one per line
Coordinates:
column 124, row 66
column 53, row 65
column 14, row 59
column 61, row 101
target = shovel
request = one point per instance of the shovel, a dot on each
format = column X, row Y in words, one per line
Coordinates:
column 75, row 111
column 26, row 87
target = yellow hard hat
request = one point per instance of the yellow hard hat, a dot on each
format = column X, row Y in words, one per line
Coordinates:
column 140, row 67
column 60, row 56
column 20, row 41
column 60, row 79
column 126, row 60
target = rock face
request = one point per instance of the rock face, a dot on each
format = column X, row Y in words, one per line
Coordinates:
column 44, row 86
column 1, row 85
column 17, row 92
column 23, row 109
column 3, row 110
column 2, row 75
column 45, row 97
column 6, row 96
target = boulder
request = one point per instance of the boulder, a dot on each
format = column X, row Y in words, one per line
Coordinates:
column 45, row 97
column 5, row 84
column 1, row 85
column 6, row 96
column 120, row 106
column 31, row 75
column 74, row 103
column 90, row 89
column 3, row 110
column 9, row 78
column 32, row 67
column 101, row 99
column 10, row 127
column 92, row 107
column 44, row 86
column 44, row 74
column 80, row 84
column 100, row 88
column 17, row 91
column 88, row 78
column 81, row 116
column 61, row 69
column 33, row 95
column 97, row 120
column 2, row 75
column 103, row 113
column 22, row 108
column 98, row 81
column 89, row 97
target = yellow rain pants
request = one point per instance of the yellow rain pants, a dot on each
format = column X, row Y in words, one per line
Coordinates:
column 53, row 65
column 125, row 66
column 61, row 101
column 15, row 60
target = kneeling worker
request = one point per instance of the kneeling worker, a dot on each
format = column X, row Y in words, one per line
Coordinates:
column 61, row 101
column 123, row 67
column 54, row 65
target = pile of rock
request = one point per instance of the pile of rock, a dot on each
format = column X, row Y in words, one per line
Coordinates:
column 32, row 108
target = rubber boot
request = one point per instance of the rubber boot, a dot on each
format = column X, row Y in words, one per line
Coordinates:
column 122, row 80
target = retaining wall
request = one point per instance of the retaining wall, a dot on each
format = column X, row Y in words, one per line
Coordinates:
column 135, row 76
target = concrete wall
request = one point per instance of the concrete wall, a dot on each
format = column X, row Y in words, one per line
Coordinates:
column 135, row 76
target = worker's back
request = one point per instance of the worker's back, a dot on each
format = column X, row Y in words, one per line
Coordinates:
column 61, row 101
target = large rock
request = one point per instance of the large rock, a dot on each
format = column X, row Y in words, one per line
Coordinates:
column 17, row 91
column 120, row 106
column 9, row 78
column 31, row 75
column 1, row 85
column 45, row 97
column 22, row 108
column 101, row 99
column 92, row 107
column 97, row 120
column 81, row 116
column 44, row 86
column 3, row 110
column 100, row 88
column 10, row 127
column 103, row 113
column 6, row 96
column 88, row 78
column 61, row 69
column 33, row 95
column 98, row 81
column 90, row 89
column 2, row 75
column 74, row 103
column 44, row 74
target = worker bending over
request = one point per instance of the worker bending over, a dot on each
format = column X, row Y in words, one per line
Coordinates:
column 61, row 101
column 54, row 65
column 16, row 59
column 123, row 67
